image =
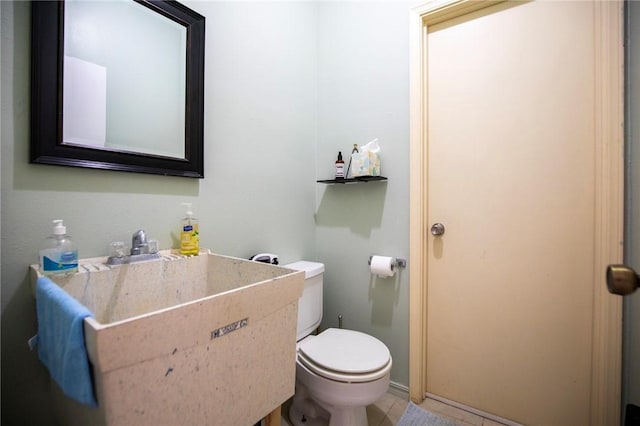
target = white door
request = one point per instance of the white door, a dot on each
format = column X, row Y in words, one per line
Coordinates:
column 511, row 176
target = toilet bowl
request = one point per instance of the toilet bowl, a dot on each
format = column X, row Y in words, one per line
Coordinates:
column 338, row 372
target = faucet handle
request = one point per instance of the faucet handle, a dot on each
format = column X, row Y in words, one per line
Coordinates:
column 153, row 246
column 118, row 249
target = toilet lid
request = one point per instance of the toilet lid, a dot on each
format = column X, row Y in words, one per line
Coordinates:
column 339, row 354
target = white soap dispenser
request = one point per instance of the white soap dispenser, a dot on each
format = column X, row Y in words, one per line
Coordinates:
column 59, row 254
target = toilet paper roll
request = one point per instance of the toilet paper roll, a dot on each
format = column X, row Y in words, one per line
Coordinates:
column 383, row 266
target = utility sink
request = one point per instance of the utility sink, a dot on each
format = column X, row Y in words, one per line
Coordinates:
column 203, row 340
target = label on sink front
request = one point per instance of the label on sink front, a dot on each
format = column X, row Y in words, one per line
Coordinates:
column 229, row 328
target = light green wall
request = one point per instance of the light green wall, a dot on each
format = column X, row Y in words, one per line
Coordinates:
column 287, row 85
column 363, row 94
column 258, row 194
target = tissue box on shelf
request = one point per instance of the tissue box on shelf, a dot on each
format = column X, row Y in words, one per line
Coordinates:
column 365, row 164
column 367, row 161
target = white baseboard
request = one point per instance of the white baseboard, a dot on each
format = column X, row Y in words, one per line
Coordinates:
column 401, row 391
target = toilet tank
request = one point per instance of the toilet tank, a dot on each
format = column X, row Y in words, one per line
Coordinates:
column 310, row 303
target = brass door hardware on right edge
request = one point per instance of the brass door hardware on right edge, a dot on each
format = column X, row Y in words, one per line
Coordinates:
column 622, row 280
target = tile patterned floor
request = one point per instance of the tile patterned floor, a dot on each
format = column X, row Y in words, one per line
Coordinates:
column 388, row 410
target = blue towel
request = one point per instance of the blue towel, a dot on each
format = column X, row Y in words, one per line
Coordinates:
column 60, row 340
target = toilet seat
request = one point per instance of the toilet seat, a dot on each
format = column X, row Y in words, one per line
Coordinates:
column 345, row 356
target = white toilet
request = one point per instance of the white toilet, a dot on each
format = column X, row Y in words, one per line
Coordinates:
column 338, row 372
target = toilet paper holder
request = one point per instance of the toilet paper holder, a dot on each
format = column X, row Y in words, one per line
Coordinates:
column 399, row 263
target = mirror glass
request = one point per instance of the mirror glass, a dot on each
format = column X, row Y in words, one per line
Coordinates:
column 111, row 76
column 118, row 85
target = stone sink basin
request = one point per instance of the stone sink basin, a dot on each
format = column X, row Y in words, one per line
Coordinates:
column 203, row 340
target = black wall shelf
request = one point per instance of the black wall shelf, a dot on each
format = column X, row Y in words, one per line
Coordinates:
column 353, row 180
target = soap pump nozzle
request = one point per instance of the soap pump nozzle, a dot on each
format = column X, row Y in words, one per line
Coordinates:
column 189, row 212
column 58, row 227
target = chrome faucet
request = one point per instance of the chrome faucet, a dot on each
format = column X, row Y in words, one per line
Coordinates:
column 140, row 250
column 139, row 243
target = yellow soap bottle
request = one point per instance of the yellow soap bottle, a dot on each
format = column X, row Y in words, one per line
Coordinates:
column 189, row 234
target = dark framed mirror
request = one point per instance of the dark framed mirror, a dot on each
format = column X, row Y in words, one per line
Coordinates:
column 118, row 85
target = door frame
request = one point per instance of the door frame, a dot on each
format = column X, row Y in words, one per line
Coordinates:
column 608, row 208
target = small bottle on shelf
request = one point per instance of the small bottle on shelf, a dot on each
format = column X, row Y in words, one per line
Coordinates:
column 339, row 166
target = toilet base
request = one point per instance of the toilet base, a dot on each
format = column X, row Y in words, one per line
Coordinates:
column 305, row 411
column 298, row 417
column 354, row 416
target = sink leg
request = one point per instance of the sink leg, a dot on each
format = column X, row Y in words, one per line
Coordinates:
column 273, row 418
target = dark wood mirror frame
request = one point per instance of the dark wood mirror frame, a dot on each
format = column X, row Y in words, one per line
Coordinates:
column 47, row 147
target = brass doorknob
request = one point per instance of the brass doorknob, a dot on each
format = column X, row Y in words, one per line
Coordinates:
column 621, row 280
